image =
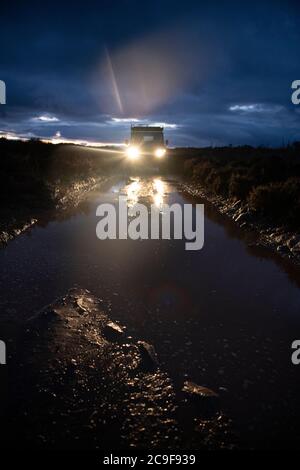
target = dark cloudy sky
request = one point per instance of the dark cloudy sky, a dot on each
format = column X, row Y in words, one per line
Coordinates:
column 214, row 72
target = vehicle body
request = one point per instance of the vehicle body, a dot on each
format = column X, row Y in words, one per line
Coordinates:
column 146, row 143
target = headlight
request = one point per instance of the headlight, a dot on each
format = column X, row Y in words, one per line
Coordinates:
column 160, row 152
column 133, row 153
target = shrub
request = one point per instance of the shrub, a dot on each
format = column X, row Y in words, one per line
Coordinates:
column 240, row 186
column 281, row 201
column 219, row 181
column 189, row 166
column 202, row 170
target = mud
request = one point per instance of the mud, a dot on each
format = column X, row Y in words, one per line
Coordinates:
column 73, row 385
column 18, row 218
column 276, row 238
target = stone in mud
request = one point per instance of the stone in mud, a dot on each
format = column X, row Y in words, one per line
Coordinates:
column 280, row 239
column 296, row 249
column 282, row 249
column 149, row 360
column 236, row 204
column 243, row 217
column 4, row 238
column 80, row 303
column 196, row 401
column 293, row 242
column 195, row 390
column 113, row 331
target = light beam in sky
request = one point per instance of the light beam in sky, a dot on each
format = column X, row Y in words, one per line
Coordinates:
column 114, row 81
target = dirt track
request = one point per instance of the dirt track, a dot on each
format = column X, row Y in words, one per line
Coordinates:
column 81, row 381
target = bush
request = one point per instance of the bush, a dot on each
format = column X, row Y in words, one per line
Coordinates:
column 189, row 166
column 268, row 180
column 240, row 186
column 202, row 170
column 281, row 201
column 219, row 181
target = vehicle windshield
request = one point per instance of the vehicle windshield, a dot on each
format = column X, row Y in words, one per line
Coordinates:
column 147, row 137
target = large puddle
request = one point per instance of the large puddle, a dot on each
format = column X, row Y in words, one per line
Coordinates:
column 224, row 316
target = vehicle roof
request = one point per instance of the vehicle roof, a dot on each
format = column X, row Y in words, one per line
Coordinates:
column 147, row 128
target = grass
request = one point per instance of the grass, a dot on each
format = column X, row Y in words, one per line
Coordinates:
column 268, row 180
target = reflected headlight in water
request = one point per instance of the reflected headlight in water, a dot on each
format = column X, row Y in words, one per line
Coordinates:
column 160, row 152
column 132, row 152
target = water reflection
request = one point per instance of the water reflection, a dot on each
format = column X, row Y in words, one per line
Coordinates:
column 158, row 192
column 133, row 191
column 151, row 191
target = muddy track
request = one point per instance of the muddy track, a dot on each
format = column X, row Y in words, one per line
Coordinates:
column 18, row 219
column 276, row 238
column 79, row 380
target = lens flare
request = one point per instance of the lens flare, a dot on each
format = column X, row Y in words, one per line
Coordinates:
column 160, row 152
column 114, row 81
column 132, row 152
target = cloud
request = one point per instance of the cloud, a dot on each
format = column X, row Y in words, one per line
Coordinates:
column 246, row 107
column 166, row 125
column 45, row 118
column 142, row 122
column 255, row 108
column 125, row 120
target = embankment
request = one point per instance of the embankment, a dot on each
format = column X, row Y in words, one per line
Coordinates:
column 37, row 178
column 258, row 188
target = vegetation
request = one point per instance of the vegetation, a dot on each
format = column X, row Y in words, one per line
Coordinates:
column 267, row 180
column 33, row 173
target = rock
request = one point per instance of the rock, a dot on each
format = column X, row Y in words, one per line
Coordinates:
column 243, row 217
column 293, row 242
column 279, row 238
column 283, row 249
column 195, row 390
column 236, row 204
column 197, row 401
column 113, row 332
column 4, row 238
column 80, row 305
column 296, row 249
column 149, row 360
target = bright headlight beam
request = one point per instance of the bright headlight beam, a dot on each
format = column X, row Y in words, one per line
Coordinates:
column 133, row 153
column 160, row 152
